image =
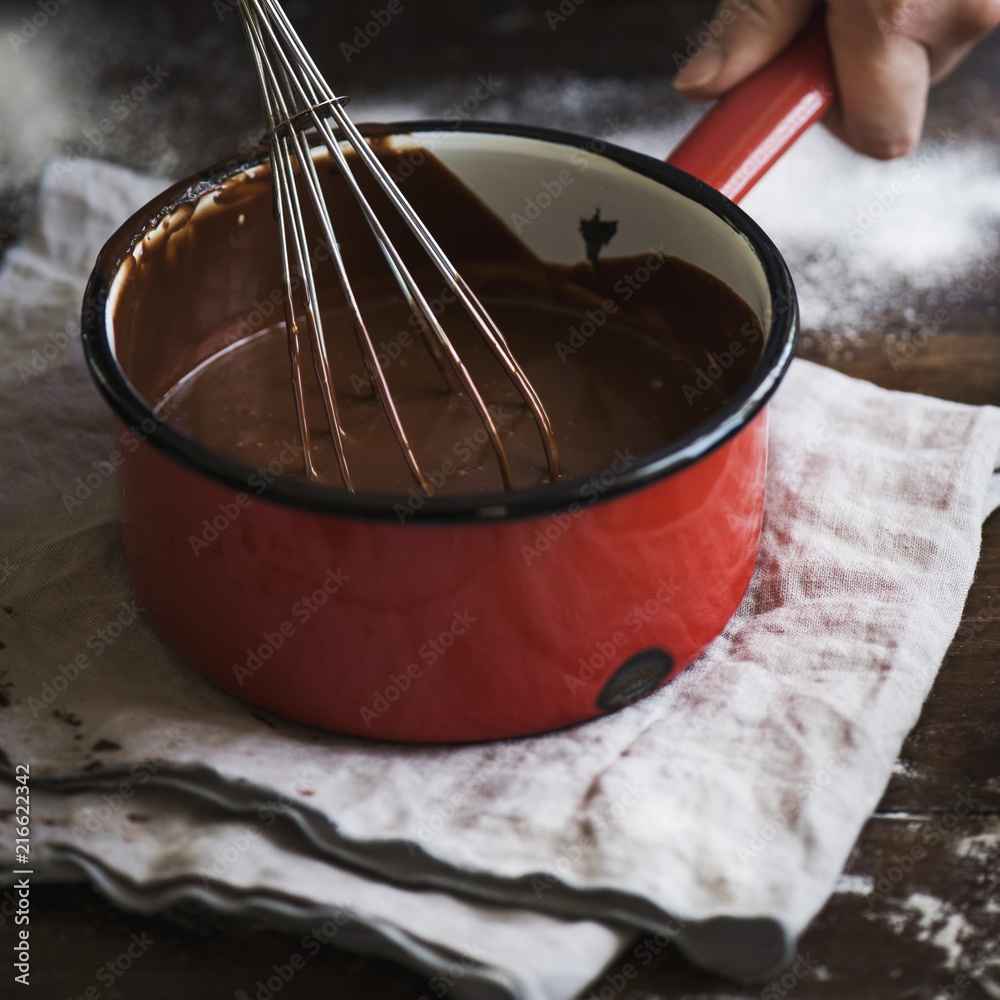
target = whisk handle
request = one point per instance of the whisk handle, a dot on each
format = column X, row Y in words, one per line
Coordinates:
column 746, row 131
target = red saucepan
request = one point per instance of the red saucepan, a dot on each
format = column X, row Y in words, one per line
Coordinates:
column 478, row 617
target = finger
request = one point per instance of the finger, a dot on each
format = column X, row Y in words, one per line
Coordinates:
column 943, row 63
column 744, row 35
column 948, row 30
column 882, row 80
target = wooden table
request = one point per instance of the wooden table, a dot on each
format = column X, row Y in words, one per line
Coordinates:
column 931, row 927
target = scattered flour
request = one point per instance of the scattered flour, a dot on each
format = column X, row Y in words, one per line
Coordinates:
column 967, row 938
column 865, row 239
column 983, row 847
column 856, row 885
column 33, row 118
column 906, row 769
column 940, row 924
column 967, row 935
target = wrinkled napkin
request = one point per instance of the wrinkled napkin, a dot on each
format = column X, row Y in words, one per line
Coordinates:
column 716, row 813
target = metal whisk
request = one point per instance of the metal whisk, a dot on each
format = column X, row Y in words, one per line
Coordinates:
column 297, row 100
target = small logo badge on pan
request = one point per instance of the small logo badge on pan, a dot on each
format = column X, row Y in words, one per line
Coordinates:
column 635, row 678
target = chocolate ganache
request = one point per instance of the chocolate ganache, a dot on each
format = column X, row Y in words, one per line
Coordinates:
column 619, row 349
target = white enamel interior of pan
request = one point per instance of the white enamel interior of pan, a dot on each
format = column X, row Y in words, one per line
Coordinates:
column 543, row 189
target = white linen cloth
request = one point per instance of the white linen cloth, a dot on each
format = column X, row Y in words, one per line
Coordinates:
column 717, row 812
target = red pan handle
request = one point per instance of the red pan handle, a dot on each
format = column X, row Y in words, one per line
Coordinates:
column 736, row 143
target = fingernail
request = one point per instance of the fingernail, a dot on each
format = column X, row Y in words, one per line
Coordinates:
column 701, row 70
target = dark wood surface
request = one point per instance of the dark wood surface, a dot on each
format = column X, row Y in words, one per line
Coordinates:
column 931, row 928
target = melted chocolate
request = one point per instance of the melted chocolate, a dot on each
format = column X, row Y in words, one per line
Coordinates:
column 618, row 350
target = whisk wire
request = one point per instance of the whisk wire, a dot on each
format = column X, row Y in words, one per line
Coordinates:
column 311, row 180
column 403, row 277
column 295, row 94
column 291, row 227
column 294, row 342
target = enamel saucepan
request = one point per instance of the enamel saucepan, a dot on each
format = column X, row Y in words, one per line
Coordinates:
column 478, row 617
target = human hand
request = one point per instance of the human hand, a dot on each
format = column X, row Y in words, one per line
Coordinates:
column 886, row 54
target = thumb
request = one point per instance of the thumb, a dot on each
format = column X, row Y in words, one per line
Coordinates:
column 744, row 36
